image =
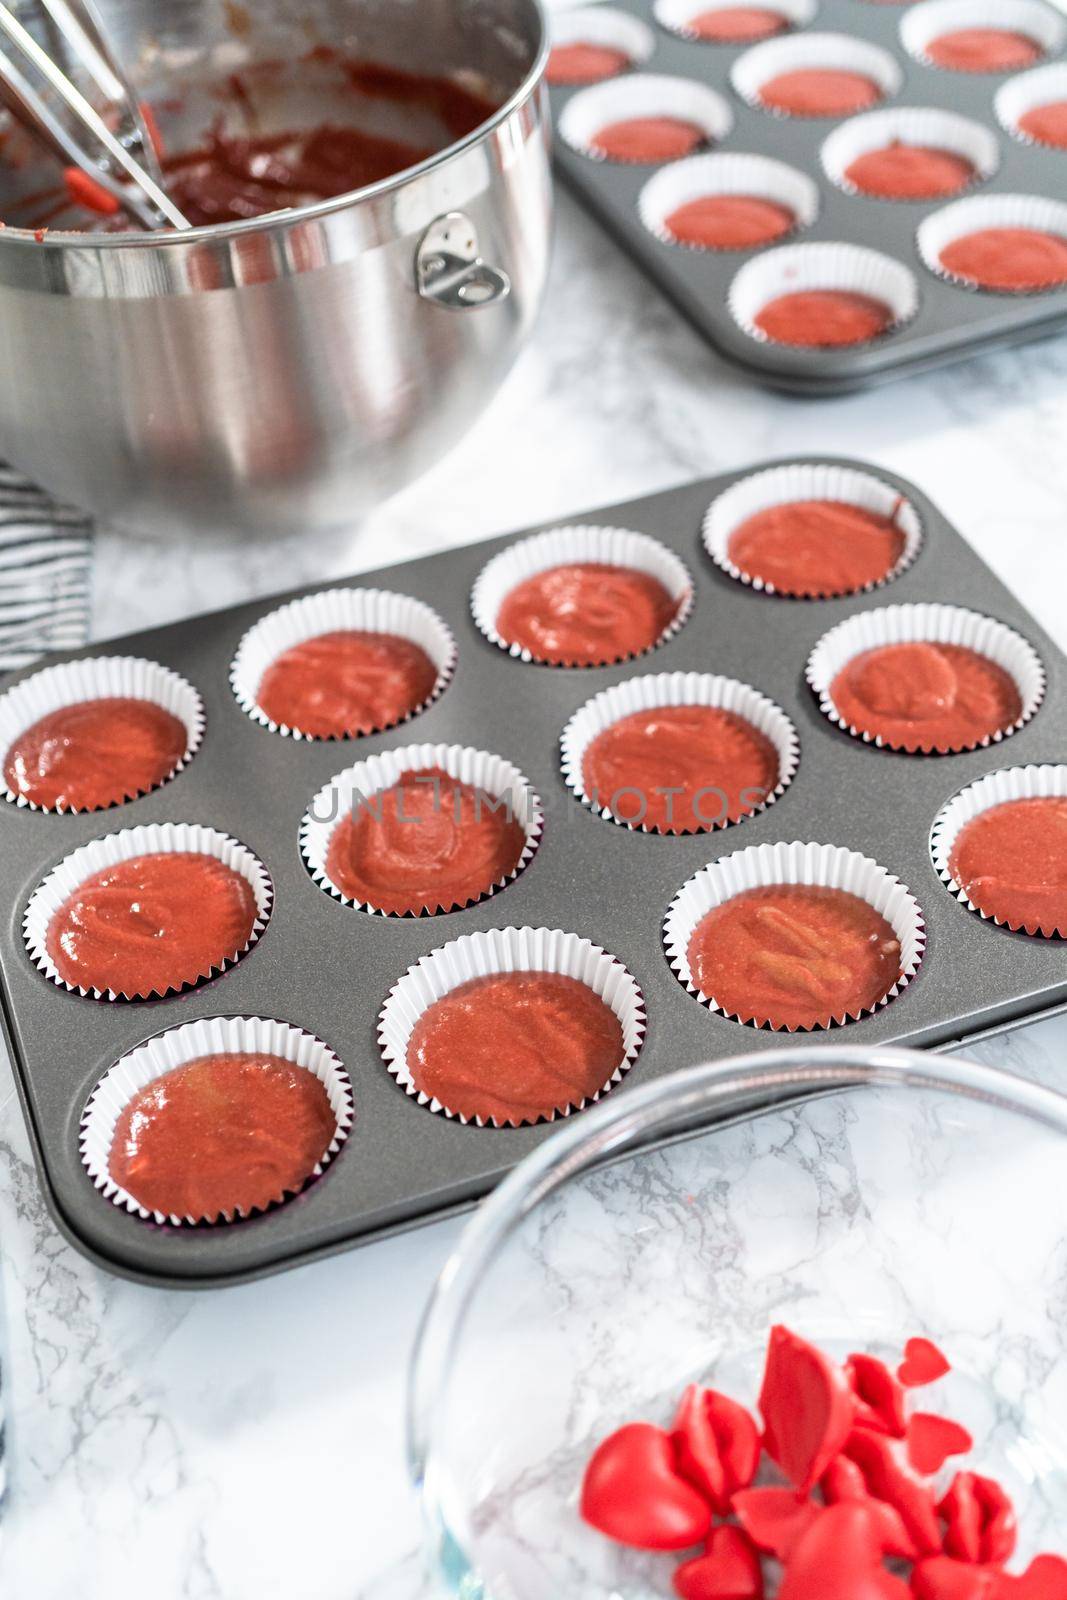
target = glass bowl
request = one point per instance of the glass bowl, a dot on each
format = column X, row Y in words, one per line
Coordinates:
column 922, row 1195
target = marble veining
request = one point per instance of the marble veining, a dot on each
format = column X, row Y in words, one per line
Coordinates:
column 247, row 1444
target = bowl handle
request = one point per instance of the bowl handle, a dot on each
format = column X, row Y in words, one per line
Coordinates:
column 449, row 268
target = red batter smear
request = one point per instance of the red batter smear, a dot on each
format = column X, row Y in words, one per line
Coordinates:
column 1047, row 124
column 581, row 61
column 820, row 92
column 430, row 843
column 983, row 50
column 737, row 24
column 794, row 956
column 1011, row 862
column 515, row 1047
column 152, row 924
column 586, row 614
column 1010, row 260
column 823, row 319
column 680, row 769
column 816, row 548
column 339, row 685
column 94, row 754
column 730, row 222
column 922, row 697
column 910, row 172
column 648, row 139
column 222, row 1134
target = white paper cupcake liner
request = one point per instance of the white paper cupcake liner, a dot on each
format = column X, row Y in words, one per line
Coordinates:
column 677, row 689
column 677, row 15
column 339, row 610
column 800, row 268
column 823, row 865
column 156, row 838
column 839, row 52
column 98, row 678
column 166, row 1051
column 699, row 176
column 935, row 624
column 804, row 480
column 477, row 955
column 1026, row 91
column 604, row 25
column 489, row 774
column 912, row 125
column 643, row 95
column 922, row 24
column 995, row 789
column 976, row 212
column 615, row 547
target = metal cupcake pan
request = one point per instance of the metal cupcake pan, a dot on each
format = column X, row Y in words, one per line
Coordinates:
column 325, row 968
column 950, row 321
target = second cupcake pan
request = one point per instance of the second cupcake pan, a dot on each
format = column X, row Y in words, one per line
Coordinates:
column 939, row 320
column 326, row 968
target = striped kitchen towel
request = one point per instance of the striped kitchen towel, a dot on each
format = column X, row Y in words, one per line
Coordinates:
column 45, row 573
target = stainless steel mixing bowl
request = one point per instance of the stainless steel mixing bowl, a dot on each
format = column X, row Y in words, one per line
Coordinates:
column 285, row 373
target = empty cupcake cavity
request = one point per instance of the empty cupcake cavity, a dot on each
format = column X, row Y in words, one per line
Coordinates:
column 813, row 52
column 641, row 96
column 701, row 177
column 801, row 269
column 1011, row 216
column 922, row 25
column 928, row 127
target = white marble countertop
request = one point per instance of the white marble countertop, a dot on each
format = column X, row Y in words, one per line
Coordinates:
column 247, row 1444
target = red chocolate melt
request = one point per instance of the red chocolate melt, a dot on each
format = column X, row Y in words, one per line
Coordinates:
column 581, row 61
column 338, row 685
column 983, row 50
column 816, row 548
column 152, row 924
column 648, row 139
column 922, row 696
column 1010, row 260
column 586, row 614
column 794, row 956
column 1047, row 124
column 730, row 222
column 737, row 24
column 94, row 754
column 910, row 172
column 822, row 319
column 222, row 1134
column 820, row 92
column 429, row 843
column 680, row 769
column 515, row 1047
column 1011, row 862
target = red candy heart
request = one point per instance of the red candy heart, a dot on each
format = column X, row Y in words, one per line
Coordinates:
column 729, row 1569
column 808, row 1408
column 633, row 1493
column 1044, row 1579
column 931, row 1440
column 923, row 1363
column 890, row 1476
column 839, row 1558
column 980, row 1520
column 941, row 1578
column 880, row 1397
column 717, row 1445
column 775, row 1519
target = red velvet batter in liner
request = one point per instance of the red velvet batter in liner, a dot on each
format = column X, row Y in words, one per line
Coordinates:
column 1047, row 124
column 1011, row 862
column 346, row 683
column 910, row 172
column 737, row 24
column 983, row 50
column 94, row 754
column 428, row 843
column 820, row 92
column 724, row 767
column 816, row 548
column 586, row 613
column 152, row 924
column 1010, row 260
column 730, row 222
column 581, row 61
column 823, row 319
column 515, row 1047
column 794, row 956
column 649, row 139
column 220, row 1134
column 926, row 697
